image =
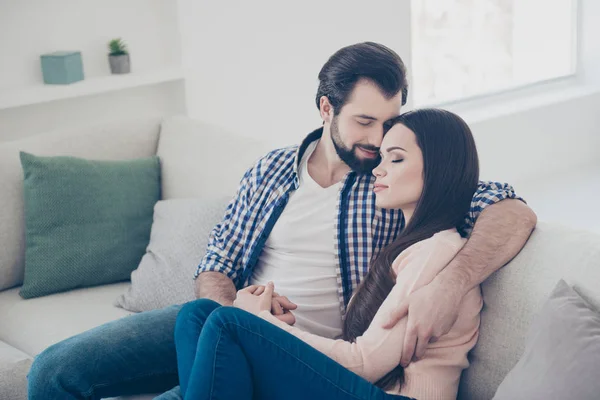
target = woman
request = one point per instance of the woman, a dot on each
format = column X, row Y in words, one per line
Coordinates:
column 429, row 169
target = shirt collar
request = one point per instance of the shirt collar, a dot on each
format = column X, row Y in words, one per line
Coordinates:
column 313, row 136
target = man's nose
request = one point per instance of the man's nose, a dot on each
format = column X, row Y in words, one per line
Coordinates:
column 377, row 137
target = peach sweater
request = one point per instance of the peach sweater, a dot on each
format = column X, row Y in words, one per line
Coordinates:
column 378, row 350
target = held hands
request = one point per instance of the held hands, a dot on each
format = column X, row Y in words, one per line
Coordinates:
column 257, row 298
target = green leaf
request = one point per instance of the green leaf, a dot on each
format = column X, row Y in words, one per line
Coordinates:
column 117, row 47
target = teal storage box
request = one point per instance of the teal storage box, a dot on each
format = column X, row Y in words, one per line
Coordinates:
column 62, row 67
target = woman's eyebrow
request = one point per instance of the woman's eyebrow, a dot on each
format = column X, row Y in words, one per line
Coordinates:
column 393, row 148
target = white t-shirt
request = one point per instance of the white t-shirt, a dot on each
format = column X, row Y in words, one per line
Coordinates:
column 299, row 255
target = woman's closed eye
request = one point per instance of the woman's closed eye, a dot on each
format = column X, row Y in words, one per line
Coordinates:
column 398, row 161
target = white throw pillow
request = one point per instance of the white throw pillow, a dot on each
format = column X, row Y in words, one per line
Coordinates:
column 562, row 354
column 199, row 160
column 178, row 241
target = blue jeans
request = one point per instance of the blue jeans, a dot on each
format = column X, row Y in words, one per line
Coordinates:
column 133, row 355
column 226, row 353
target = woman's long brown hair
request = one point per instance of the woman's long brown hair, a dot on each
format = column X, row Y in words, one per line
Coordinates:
column 450, row 177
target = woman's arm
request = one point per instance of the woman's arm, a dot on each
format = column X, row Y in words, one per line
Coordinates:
column 373, row 355
column 379, row 350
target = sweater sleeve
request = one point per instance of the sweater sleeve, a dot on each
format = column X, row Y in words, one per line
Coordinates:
column 372, row 355
column 379, row 350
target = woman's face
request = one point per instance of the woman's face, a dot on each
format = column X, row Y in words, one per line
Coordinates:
column 399, row 176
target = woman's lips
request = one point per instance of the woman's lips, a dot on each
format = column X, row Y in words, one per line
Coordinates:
column 379, row 187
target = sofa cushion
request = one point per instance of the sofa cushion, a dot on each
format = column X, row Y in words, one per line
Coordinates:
column 562, row 355
column 34, row 324
column 120, row 140
column 87, row 222
column 14, row 366
column 202, row 160
column 515, row 294
column 177, row 244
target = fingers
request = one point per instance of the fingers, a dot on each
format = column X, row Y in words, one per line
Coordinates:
column 286, row 303
column 287, row 317
column 410, row 343
column 250, row 289
column 269, row 289
column 421, row 347
column 276, row 308
column 260, row 290
column 396, row 315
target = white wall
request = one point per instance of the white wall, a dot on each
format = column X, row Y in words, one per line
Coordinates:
column 147, row 101
column 539, row 142
column 33, row 27
column 252, row 66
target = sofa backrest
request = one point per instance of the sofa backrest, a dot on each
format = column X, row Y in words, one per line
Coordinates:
column 200, row 160
column 513, row 295
column 112, row 141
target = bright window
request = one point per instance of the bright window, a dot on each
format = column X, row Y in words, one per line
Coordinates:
column 469, row 48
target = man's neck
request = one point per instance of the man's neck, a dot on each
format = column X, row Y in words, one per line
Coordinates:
column 324, row 165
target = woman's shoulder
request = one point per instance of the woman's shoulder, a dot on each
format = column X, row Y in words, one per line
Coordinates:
column 449, row 236
column 438, row 249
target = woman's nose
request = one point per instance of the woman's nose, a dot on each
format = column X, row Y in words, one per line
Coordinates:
column 378, row 172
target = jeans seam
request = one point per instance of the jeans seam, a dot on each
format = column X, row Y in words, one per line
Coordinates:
column 95, row 386
column 285, row 351
column 212, row 382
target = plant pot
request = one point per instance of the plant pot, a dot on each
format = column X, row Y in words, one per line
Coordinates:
column 119, row 64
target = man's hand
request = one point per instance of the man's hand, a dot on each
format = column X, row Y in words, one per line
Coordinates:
column 280, row 308
column 432, row 311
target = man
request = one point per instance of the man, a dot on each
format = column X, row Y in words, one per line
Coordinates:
column 303, row 217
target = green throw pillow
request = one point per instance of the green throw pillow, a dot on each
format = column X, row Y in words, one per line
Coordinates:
column 87, row 222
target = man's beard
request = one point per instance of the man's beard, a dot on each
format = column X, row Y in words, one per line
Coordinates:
column 362, row 166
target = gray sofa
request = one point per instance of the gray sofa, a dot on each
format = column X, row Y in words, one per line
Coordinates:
column 512, row 296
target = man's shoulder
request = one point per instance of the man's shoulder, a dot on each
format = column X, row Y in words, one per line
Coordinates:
column 283, row 152
column 282, row 158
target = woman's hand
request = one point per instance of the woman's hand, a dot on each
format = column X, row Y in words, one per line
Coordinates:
column 255, row 298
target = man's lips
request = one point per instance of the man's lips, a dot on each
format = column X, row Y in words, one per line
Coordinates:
column 368, row 153
column 378, row 187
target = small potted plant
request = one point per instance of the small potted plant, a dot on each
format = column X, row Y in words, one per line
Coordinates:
column 118, row 57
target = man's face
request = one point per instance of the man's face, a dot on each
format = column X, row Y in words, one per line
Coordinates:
column 357, row 129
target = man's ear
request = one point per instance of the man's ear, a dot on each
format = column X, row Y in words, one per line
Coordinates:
column 326, row 109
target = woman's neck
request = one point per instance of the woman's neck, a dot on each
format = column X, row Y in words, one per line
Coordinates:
column 408, row 213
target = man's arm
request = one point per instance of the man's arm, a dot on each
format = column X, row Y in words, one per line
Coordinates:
column 501, row 231
column 215, row 286
column 220, row 269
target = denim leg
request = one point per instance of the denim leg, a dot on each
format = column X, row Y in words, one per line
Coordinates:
column 241, row 356
column 132, row 355
column 173, row 394
column 190, row 320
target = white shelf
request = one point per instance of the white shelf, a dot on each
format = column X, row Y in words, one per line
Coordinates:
column 44, row 93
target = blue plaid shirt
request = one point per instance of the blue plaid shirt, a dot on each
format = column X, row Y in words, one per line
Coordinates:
column 361, row 229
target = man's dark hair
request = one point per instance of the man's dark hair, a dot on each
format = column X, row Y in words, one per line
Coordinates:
column 371, row 61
